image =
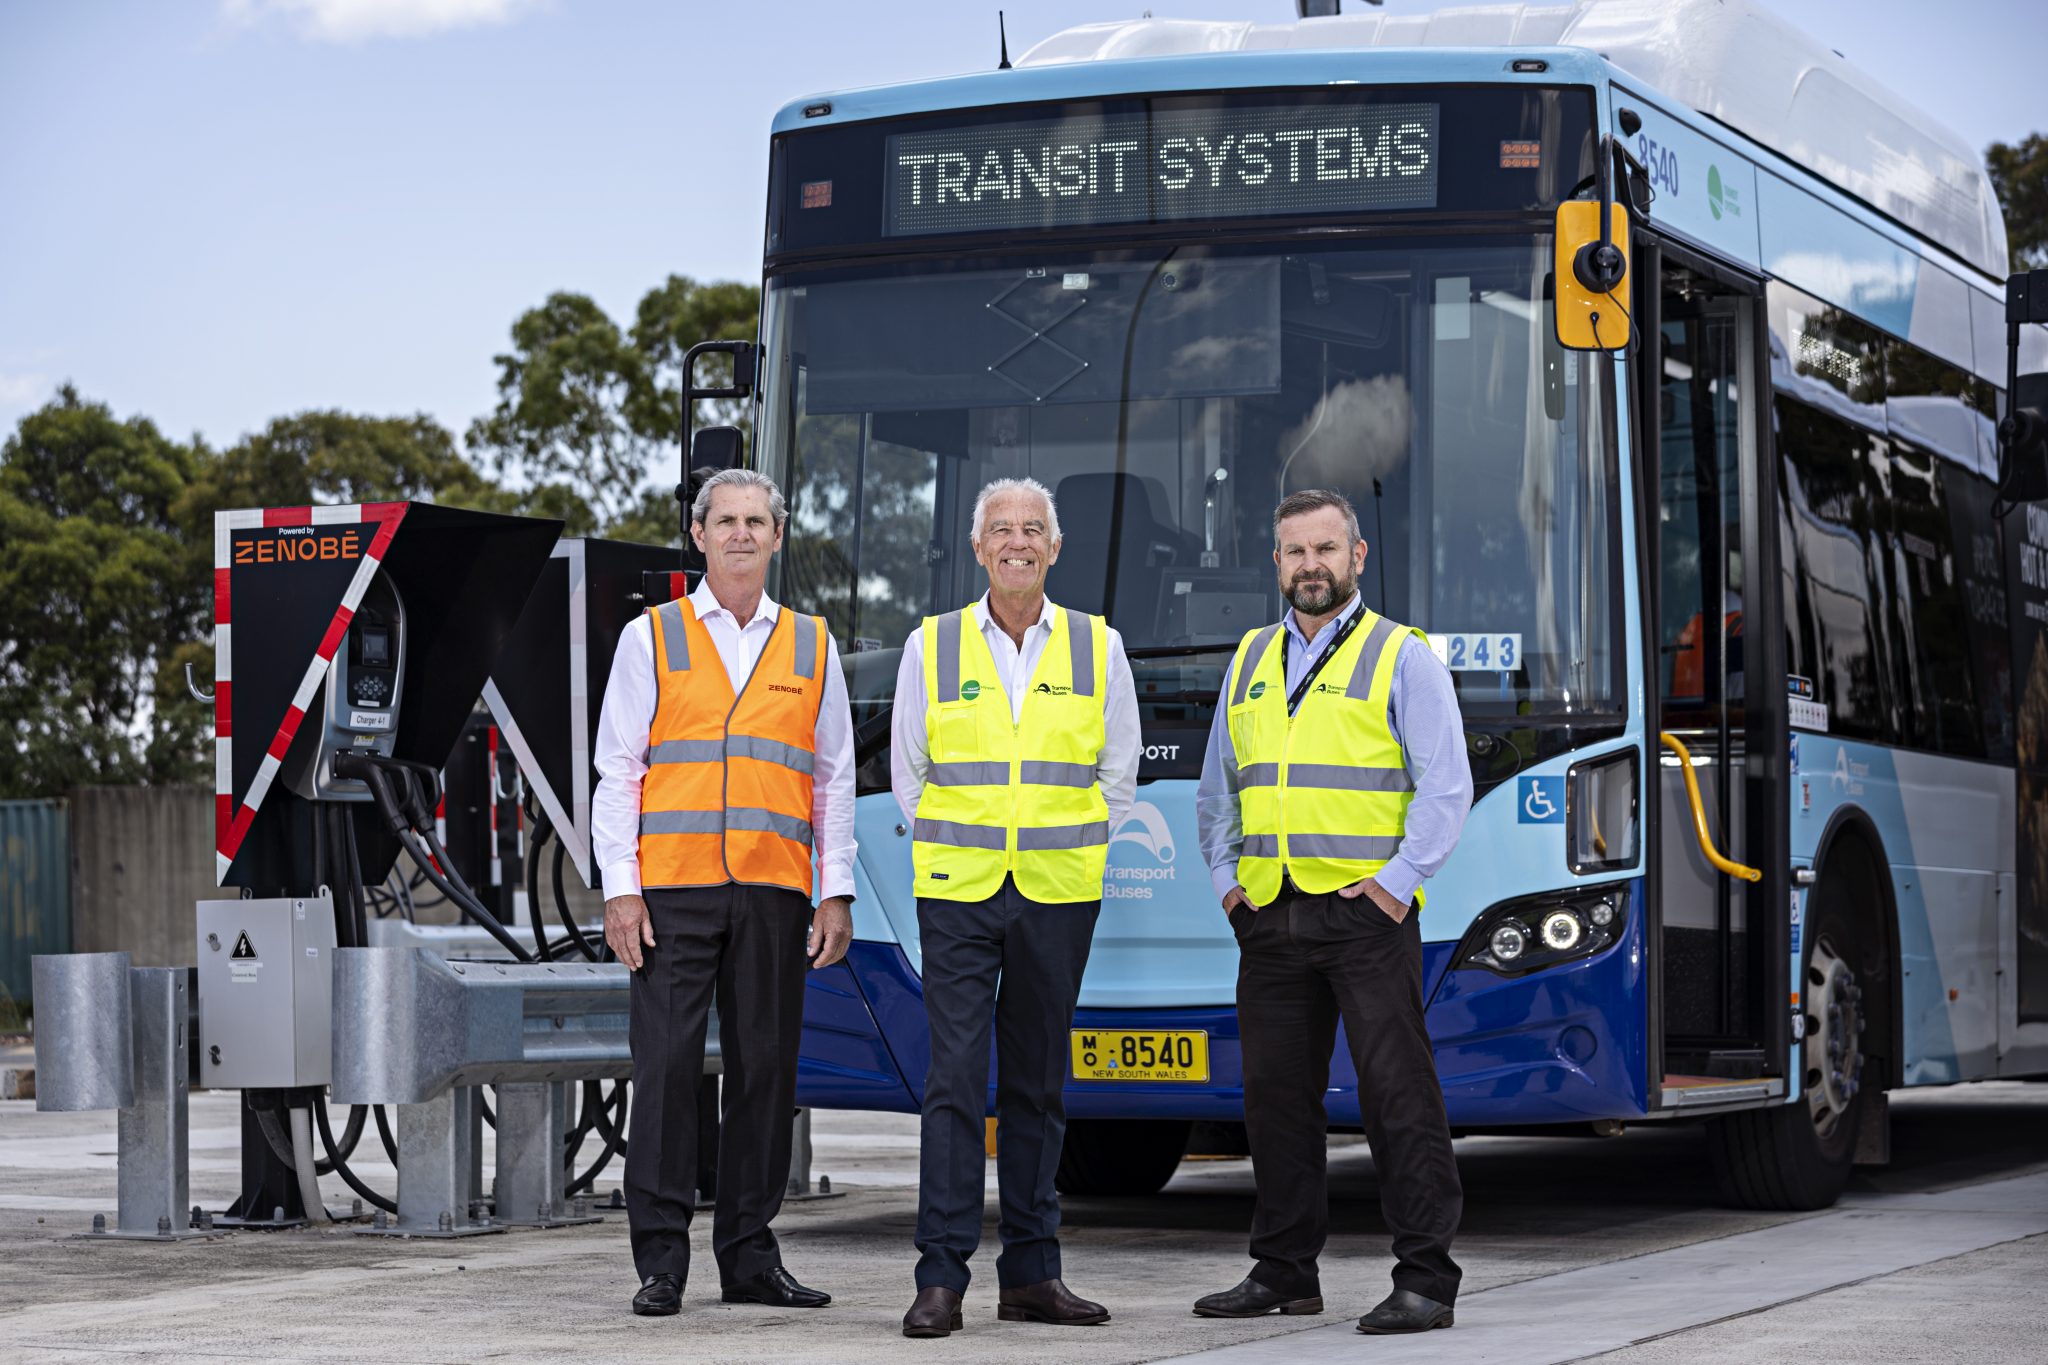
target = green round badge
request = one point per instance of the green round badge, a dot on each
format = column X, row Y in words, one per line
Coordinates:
column 1258, row 690
column 970, row 689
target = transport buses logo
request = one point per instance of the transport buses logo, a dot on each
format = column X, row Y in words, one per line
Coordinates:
column 1145, row 827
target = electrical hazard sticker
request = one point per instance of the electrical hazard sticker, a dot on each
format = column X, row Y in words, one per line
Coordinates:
column 245, row 951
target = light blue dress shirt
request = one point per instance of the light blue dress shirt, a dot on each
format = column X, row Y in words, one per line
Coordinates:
column 1422, row 710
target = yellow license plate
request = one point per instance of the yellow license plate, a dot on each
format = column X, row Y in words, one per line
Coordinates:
column 1140, row 1055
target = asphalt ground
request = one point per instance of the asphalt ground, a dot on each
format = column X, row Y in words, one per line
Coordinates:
column 1573, row 1248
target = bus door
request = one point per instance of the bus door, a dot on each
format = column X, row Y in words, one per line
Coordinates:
column 1722, row 945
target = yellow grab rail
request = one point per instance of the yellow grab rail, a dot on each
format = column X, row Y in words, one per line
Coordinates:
column 1699, row 813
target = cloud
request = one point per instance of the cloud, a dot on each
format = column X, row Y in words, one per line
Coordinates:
column 354, row 21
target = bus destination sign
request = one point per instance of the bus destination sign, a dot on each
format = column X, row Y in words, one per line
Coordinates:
column 1162, row 167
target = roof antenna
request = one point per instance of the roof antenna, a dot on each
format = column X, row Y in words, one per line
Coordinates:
column 1003, row 37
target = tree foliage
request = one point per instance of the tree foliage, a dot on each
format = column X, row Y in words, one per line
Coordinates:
column 597, row 410
column 2019, row 172
column 99, row 592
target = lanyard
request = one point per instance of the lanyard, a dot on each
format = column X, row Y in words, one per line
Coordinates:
column 1336, row 640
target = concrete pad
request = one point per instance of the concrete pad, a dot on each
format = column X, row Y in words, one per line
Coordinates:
column 1584, row 1312
column 1538, row 1211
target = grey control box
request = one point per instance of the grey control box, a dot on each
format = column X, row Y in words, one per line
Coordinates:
column 266, row 992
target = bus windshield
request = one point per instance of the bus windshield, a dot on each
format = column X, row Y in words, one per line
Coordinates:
column 1169, row 397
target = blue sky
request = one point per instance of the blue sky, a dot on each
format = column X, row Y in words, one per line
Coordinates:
column 213, row 212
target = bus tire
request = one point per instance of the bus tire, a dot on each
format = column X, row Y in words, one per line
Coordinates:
column 1125, row 1157
column 1798, row 1155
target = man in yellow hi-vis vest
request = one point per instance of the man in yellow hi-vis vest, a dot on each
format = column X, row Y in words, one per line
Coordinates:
column 1015, row 753
column 1334, row 783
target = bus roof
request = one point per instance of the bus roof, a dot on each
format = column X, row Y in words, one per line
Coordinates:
column 1726, row 59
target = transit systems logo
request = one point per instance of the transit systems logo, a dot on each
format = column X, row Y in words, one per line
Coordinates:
column 1147, row 828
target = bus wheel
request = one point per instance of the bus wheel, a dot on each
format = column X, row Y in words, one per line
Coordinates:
column 1120, row 1156
column 1798, row 1156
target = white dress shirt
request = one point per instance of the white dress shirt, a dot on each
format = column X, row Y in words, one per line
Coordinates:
column 627, row 717
column 1116, row 767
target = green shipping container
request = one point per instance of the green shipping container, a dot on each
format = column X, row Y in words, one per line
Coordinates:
column 35, row 894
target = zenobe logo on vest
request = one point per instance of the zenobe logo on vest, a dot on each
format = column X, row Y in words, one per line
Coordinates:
column 1258, row 690
column 969, row 690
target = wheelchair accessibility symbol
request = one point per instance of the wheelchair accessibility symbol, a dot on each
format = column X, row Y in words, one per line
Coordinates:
column 1541, row 801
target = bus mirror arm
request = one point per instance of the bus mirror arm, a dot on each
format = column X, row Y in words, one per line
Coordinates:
column 1600, row 265
column 2023, row 432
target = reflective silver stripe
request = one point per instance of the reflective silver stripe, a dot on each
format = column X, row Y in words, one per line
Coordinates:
column 1344, row 777
column 806, row 646
column 1259, row 775
column 949, row 656
column 770, row 751
column 1048, row 838
column 958, row 835
column 675, row 638
column 1260, row 846
column 1249, row 664
column 1046, row 774
column 769, row 822
column 1352, row 847
column 1081, row 649
column 682, row 822
column 1369, row 659
column 969, row 775
column 687, row 751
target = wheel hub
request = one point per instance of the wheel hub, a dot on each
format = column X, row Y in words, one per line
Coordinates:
column 1833, row 1054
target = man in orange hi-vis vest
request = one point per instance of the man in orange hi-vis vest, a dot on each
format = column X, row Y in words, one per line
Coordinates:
column 725, row 768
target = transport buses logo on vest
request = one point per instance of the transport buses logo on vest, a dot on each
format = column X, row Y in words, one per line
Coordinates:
column 1055, row 689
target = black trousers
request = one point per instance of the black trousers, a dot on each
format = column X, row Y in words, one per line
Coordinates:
column 1304, row 962
column 745, row 946
column 1018, row 963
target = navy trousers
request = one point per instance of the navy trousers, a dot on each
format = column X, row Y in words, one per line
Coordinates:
column 1016, row 964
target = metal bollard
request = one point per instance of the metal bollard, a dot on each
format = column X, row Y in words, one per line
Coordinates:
column 84, row 1032
column 799, row 1186
column 434, row 1169
column 532, row 1180
column 145, row 1075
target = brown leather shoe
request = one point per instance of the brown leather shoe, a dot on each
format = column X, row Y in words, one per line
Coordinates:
column 1049, row 1301
column 936, row 1313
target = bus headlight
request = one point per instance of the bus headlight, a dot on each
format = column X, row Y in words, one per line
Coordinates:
column 1542, row 931
column 1562, row 931
column 1508, row 942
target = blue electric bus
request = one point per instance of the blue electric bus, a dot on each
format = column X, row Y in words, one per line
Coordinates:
column 1754, row 673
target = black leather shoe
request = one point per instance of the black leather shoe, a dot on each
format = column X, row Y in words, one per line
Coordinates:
column 936, row 1313
column 777, row 1288
column 1404, row 1310
column 1049, row 1301
column 659, row 1297
column 1250, row 1299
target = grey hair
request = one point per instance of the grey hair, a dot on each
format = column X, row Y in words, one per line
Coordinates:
column 1313, row 499
column 739, row 478
column 992, row 491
